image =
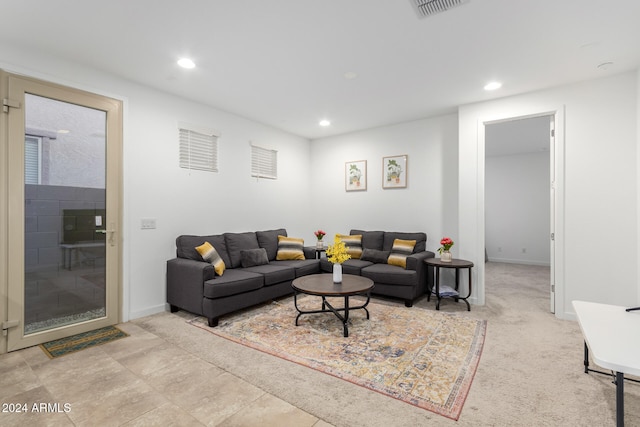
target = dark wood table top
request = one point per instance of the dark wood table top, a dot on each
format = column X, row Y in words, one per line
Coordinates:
column 322, row 284
column 455, row 263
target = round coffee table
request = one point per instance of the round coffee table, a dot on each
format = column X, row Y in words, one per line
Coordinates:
column 322, row 285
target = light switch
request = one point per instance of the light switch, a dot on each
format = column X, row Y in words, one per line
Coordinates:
column 98, row 220
column 147, row 223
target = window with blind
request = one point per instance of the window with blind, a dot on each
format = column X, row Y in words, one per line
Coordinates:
column 198, row 149
column 264, row 162
column 32, row 159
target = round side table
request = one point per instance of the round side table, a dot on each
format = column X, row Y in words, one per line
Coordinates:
column 456, row 264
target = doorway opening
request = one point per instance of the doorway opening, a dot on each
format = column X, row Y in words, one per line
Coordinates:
column 519, row 202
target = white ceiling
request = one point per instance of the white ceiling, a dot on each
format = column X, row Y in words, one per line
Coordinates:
column 282, row 62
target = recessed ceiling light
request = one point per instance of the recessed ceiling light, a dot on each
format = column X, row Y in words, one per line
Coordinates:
column 64, row 131
column 493, row 86
column 324, row 123
column 350, row 75
column 186, row 63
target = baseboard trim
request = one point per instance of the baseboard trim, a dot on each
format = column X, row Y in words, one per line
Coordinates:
column 147, row 311
column 520, row 261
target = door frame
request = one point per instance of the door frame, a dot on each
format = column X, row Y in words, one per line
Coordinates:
column 12, row 211
column 4, row 211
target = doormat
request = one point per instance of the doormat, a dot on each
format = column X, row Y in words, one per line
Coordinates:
column 422, row 357
column 81, row 341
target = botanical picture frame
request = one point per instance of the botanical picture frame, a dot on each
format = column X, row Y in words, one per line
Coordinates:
column 395, row 171
column 355, row 175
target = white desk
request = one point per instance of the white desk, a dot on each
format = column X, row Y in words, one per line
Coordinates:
column 613, row 336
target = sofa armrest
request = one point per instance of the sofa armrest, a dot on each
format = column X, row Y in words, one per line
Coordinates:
column 185, row 283
column 415, row 261
column 425, row 273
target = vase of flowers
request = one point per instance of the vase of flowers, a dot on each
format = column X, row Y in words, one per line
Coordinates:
column 336, row 255
column 319, row 235
column 445, row 255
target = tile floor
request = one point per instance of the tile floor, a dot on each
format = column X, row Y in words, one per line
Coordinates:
column 141, row 380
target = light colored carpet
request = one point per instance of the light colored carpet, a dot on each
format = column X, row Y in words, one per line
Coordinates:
column 420, row 356
column 530, row 373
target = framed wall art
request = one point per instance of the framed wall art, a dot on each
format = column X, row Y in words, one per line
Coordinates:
column 355, row 175
column 394, row 171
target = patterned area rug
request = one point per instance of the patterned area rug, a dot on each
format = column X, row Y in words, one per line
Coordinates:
column 81, row 341
column 422, row 357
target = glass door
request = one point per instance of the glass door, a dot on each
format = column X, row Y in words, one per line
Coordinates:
column 64, row 215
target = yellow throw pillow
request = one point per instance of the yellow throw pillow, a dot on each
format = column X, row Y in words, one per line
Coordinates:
column 400, row 250
column 290, row 248
column 209, row 254
column 353, row 244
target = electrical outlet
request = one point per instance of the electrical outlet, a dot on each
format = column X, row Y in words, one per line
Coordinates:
column 524, row 250
column 148, row 223
column 499, row 249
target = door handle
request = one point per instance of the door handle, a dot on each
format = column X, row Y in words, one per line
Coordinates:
column 111, row 233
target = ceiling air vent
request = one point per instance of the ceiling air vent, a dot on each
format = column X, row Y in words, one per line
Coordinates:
column 431, row 7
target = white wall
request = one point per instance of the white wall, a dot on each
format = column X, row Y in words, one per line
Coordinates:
column 428, row 203
column 596, row 140
column 183, row 202
column 517, row 208
column 193, row 202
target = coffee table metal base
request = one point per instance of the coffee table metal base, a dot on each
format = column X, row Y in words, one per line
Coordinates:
column 344, row 318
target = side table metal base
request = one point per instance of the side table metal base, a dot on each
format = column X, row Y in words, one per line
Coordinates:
column 456, row 264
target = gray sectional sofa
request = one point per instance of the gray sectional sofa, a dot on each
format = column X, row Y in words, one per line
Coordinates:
column 193, row 285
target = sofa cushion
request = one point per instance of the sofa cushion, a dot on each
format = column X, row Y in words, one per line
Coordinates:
column 302, row 268
column 400, row 250
column 420, row 238
column 273, row 274
column 253, row 257
column 371, row 239
column 269, row 240
column 234, row 281
column 390, row 275
column 375, row 256
column 290, row 248
column 237, row 242
column 350, row 266
column 353, row 244
column 210, row 255
column 186, row 247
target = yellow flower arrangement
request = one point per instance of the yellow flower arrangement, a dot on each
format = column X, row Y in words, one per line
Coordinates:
column 337, row 253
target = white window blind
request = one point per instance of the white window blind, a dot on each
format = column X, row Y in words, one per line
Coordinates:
column 264, row 162
column 198, row 150
column 32, row 162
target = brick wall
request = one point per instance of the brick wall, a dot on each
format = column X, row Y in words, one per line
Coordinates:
column 44, row 205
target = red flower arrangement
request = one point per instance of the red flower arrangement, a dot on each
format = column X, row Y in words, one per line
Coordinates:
column 319, row 234
column 446, row 243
